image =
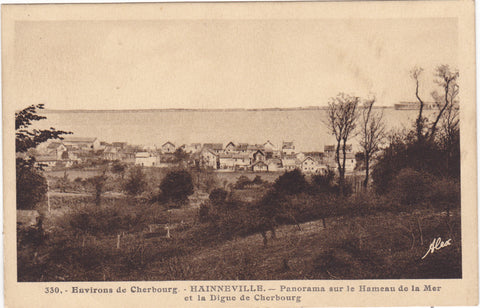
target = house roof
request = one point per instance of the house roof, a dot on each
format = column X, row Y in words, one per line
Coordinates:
column 330, row 148
column 213, row 146
column 315, row 159
column 288, row 145
column 313, row 154
column 242, row 147
column 142, row 155
column 79, row 139
column 42, row 158
column 254, row 147
column 206, row 150
column 54, row 145
column 168, row 142
column 235, row 156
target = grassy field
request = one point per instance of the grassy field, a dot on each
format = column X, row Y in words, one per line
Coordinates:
column 362, row 236
column 379, row 246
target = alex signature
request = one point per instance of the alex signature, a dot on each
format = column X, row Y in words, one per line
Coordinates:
column 437, row 244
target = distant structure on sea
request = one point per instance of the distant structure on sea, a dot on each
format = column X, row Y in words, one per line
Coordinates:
column 414, row 105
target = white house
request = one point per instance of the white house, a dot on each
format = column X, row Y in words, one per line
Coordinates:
column 209, row 158
column 146, row 159
column 274, row 164
column 312, row 165
column 82, row 143
column 168, row 147
column 259, row 166
column 288, row 148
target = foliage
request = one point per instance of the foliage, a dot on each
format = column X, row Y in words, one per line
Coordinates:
column 257, row 180
column 180, row 155
column 98, row 182
column 290, row 183
column 25, row 138
column 103, row 221
column 218, row 196
column 118, row 168
column 135, row 182
column 411, row 187
column 242, row 182
column 324, row 183
column 177, row 186
column 31, row 184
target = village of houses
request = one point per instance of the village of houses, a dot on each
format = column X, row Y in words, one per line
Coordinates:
column 266, row 157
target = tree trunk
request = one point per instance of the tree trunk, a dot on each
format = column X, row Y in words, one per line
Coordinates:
column 342, row 174
column 367, row 170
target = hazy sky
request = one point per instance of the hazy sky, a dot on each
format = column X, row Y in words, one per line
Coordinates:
column 225, row 63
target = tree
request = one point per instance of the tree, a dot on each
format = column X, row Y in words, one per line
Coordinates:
column 98, row 183
column 242, row 182
column 177, row 186
column 30, row 183
column 135, row 183
column 446, row 78
column 372, row 135
column 180, row 155
column 218, row 196
column 290, row 183
column 119, row 168
column 324, row 183
column 342, row 115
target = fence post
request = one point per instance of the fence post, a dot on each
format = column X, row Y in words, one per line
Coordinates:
column 118, row 241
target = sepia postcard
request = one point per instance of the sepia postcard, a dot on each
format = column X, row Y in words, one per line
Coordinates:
column 248, row 154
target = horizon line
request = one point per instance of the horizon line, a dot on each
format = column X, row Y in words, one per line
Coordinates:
column 198, row 109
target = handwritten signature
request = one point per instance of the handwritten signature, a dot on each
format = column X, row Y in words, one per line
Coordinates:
column 437, row 244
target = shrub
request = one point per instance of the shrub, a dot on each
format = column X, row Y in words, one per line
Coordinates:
column 257, row 180
column 104, row 220
column 135, row 183
column 242, row 182
column 177, row 186
column 31, row 184
column 218, row 196
column 324, row 183
column 291, row 182
column 444, row 194
column 411, row 187
column 203, row 212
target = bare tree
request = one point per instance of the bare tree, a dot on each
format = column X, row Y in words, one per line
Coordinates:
column 342, row 115
column 372, row 134
column 445, row 102
column 420, row 122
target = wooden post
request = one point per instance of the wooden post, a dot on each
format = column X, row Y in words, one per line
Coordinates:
column 118, row 241
column 168, row 232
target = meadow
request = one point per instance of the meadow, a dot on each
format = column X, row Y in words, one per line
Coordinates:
column 126, row 238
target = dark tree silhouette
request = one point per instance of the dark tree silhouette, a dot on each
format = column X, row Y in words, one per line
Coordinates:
column 31, row 184
column 135, row 182
column 177, row 186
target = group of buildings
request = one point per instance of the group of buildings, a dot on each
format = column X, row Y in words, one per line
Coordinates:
column 233, row 156
column 269, row 158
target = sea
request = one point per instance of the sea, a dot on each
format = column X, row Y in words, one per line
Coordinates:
column 306, row 127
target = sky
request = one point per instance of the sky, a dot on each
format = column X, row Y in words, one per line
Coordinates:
column 226, row 63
